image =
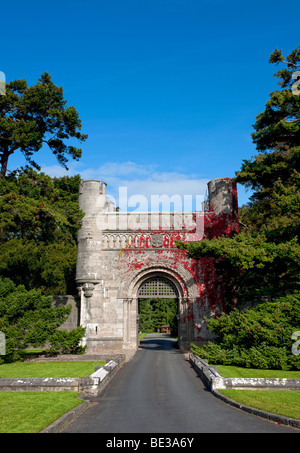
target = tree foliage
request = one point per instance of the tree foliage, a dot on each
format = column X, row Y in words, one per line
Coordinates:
column 251, row 265
column 260, row 337
column 155, row 313
column 276, row 136
column 39, row 217
column 39, row 220
column 265, row 257
column 32, row 116
column 28, row 318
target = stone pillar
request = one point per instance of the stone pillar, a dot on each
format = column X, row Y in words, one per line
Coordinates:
column 185, row 334
column 130, row 335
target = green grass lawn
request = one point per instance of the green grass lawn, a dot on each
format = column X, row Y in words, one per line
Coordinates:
column 31, row 412
column 282, row 402
column 48, row 369
column 239, row 372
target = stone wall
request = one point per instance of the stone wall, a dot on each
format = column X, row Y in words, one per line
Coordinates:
column 73, row 320
column 89, row 386
column 214, row 381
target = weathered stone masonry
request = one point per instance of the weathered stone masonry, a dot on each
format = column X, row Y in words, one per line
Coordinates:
column 118, row 252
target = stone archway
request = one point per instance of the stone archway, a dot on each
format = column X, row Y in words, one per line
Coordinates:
column 184, row 294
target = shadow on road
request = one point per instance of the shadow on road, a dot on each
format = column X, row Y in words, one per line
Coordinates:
column 159, row 342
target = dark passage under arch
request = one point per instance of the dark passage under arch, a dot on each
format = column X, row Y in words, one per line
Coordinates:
column 158, row 305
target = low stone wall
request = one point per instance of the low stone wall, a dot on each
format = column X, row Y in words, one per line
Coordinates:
column 39, row 384
column 207, row 373
column 256, row 383
column 94, row 384
column 214, row 381
column 76, row 358
column 89, row 386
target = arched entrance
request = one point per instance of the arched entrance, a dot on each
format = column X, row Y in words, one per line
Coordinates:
column 153, row 282
column 158, row 306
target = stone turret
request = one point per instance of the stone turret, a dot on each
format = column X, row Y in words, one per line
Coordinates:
column 222, row 217
column 90, row 199
column 222, row 195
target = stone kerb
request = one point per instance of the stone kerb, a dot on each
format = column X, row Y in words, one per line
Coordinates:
column 209, row 375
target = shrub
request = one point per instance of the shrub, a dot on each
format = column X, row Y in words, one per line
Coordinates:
column 260, row 337
column 27, row 318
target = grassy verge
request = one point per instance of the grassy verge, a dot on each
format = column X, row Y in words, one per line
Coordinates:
column 282, row 402
column 31, row 412
column 144, row 334
column 48, row 369
column 239, row 372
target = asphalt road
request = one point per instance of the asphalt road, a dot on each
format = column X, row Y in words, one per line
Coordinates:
column 159, row 392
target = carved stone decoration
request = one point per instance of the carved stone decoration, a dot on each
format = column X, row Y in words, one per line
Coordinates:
column 88, row 289
column 123, row 257
column 157, row 240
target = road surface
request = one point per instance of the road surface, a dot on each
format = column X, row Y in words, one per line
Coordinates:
column 159, row 392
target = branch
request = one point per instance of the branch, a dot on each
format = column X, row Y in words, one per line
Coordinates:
column 241, row 223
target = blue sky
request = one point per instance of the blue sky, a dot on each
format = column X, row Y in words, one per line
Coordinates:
column 167, row 90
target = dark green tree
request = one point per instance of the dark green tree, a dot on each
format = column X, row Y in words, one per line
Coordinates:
column 155, row 313
column 273, row 174
column 39, row 220
column 165, row 313
column 146, row 316
column 261, row 337
column 264, row 259
column 28, row 318
column 32, row 116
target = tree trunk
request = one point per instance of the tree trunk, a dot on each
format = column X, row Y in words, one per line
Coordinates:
column 3, row 161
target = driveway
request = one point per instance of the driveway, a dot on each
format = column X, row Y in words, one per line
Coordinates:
column 159, row 392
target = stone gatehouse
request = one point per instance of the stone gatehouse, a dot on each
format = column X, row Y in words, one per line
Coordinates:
column 124, row 256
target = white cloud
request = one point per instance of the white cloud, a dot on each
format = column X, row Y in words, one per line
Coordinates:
column 141, row 182
column 146, row 181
